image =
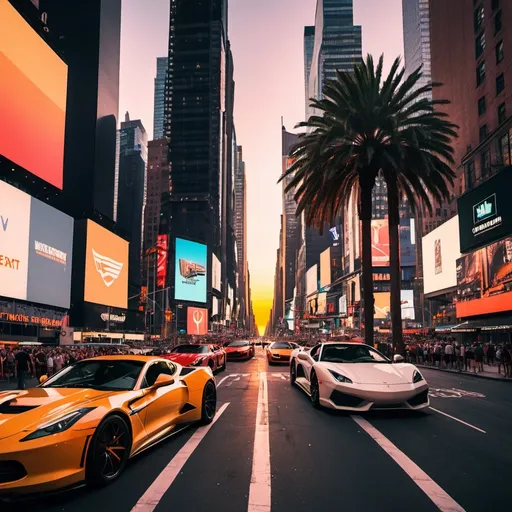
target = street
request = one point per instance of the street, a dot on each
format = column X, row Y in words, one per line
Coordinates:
column 455, row 456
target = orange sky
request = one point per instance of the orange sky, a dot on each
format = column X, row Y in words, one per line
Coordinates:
column 267, row 43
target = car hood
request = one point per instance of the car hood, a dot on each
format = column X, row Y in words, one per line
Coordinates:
column 184, row 359
column 374, row 373
column 24, row 410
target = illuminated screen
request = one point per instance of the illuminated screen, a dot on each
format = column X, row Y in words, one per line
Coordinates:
column 197, row 321
column 325, row 268
column 33, row 88
column 382, row 305
column 484, row 280
column 312, row 280
column 36, row 244
column 407, row 300
column 163, row 247
column 216, row 273
column 106, row 267
column 380, row 243
column 190, row 271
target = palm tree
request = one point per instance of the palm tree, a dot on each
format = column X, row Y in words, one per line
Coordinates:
column 364, row 127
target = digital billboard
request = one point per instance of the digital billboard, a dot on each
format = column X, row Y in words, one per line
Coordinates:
column 36, row 244
column 407, row 301
column 106, row 267
column 484, row 280
column 382, row 306
column 321, row 303
column 312, row 280
column 163, row 250
column 33, row 91
column 407, row 232
column 216, row 273
column 197, row 321
column 325, row 268
column 380, row 243
column 485, row 212
column 190, row 271
column 440, row 254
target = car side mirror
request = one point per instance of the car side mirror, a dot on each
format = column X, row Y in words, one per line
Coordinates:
column 397, row 358
column 43, row 378
column 302, row 355
column 163, row 380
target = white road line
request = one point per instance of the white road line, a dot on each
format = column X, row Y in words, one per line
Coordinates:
column 150, row 499
column 225, row 378
column 460, row 421
column 441, row 499
column 259, row 490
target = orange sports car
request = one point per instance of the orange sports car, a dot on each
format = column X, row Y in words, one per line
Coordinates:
column 85, row 422
column 280, row 352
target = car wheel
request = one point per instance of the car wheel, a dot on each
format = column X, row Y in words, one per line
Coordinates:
column 293, row 373
column 209, row 403
column 109, row 451
column 315, row 391
column 211, row 364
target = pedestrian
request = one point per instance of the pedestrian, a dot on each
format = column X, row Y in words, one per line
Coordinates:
column 22, row 366
column 479, row 357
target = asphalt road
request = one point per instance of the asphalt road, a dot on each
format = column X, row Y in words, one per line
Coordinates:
column 269, row 450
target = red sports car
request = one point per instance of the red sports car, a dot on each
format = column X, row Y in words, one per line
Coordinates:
column 198, row 355
column 240, row 349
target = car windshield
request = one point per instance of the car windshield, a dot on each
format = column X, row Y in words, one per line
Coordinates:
column 357, row 353
column 190, row 349
column 281, row 344
column 238, row 344
column 107, row 375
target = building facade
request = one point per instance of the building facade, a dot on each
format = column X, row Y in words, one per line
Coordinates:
column 159, row 102
column 309, row 45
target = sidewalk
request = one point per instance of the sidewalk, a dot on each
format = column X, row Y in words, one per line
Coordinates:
column 7, row 386
column 490, row 372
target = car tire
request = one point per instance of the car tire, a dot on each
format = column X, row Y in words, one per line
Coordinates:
column 314, row 391
column 108, row 451
column 293, row 373
column 211, row 365
column 208, row 403
column 223, row 367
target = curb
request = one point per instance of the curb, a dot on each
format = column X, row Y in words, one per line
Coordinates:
column 466, row 374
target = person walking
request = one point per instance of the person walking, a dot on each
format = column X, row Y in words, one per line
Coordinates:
column 22, row 366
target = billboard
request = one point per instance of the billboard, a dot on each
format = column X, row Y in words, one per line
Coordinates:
column 312, row 280
column 216, row 273
column 407, row 301
column 380, row 243
column 197, row 321
column 440, row 254
column 325, row 268
column 161, row 266
column 33, row 93
column 190, row 271
column 382, row 306
column 106, row 267
column 36, row 245
column 321, row 308
column 407, row 232
column 485, row 213
column 484, row 280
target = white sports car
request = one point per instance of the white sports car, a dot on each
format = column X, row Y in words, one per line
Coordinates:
column 356, row 377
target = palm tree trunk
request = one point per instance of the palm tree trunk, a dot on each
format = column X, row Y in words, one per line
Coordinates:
column 394, row 268
column 365, row 214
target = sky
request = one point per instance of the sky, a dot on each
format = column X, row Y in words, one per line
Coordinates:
column 267, row 44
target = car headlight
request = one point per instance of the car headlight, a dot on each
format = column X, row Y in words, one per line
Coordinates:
column 198, row 361
column 340, row 378
column 417, row 377
column 59, row 425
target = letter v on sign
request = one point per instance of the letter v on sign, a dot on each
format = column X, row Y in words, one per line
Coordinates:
column 5, row 221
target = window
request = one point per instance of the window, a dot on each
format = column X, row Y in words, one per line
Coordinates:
column 470, row 175
column 497, row 22
column 483, row 132
column 500, row 84
column 502, row 113
column 499, row 52
column 480, row 73
column 479, row 17
column 485, row 163
column 504, row 149
column 157, row 369
column 480, row 44
column 482, row 107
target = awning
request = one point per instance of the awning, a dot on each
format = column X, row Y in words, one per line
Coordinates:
column 486, row 325
column 470, row 326
column 444, row 328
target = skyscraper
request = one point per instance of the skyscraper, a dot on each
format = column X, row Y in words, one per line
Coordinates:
column 309, row 44
column 159, row 106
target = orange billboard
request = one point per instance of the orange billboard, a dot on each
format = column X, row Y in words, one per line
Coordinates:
column 106, row 267
column 33, row 91
column 197, row 321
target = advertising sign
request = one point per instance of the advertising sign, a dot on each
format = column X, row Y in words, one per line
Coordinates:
column 29, row 315
column 343, row 306
column 484, row 280
column 321, row 304
column 33, row 93
column 312, row 280
column 382, row 305
column 407, row 232
column 440, row 254
column 197, row 321
column 325, row 268
column 335, row 235
column 163, row 250
column 485, row 213
column 216, row 273
column 190, row 271
column 36, row 244
column 380, row 243
column 407, row 300
column 106, row 267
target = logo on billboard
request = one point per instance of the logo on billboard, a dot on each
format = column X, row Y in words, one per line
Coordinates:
column 189, row 270
column 438, row 257
column 5, row 222
column 334, row 234
column 50, row 253
column 108, row 268
column 197, row 321
column 485, row 215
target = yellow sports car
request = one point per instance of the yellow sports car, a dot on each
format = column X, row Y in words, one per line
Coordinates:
column 85, row 422
column 280, row 352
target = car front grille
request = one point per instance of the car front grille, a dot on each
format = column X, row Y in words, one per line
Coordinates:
column 344, row 400
column 420, row 398
column 11, row 470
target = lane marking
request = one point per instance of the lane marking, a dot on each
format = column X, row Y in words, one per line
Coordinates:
column 150, row 499
column 441, row 499
column 233, row 380
column 259, row 489
column 226, row 377
column 460, row 421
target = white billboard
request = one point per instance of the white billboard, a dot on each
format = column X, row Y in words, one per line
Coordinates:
column 441, row 249
column 216, row 273
column 312, row 280
column 407, row 300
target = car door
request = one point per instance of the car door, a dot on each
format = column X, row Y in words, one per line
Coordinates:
column 217, row 356
column 164, row 403
column 221, row 355
column 307, row 359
